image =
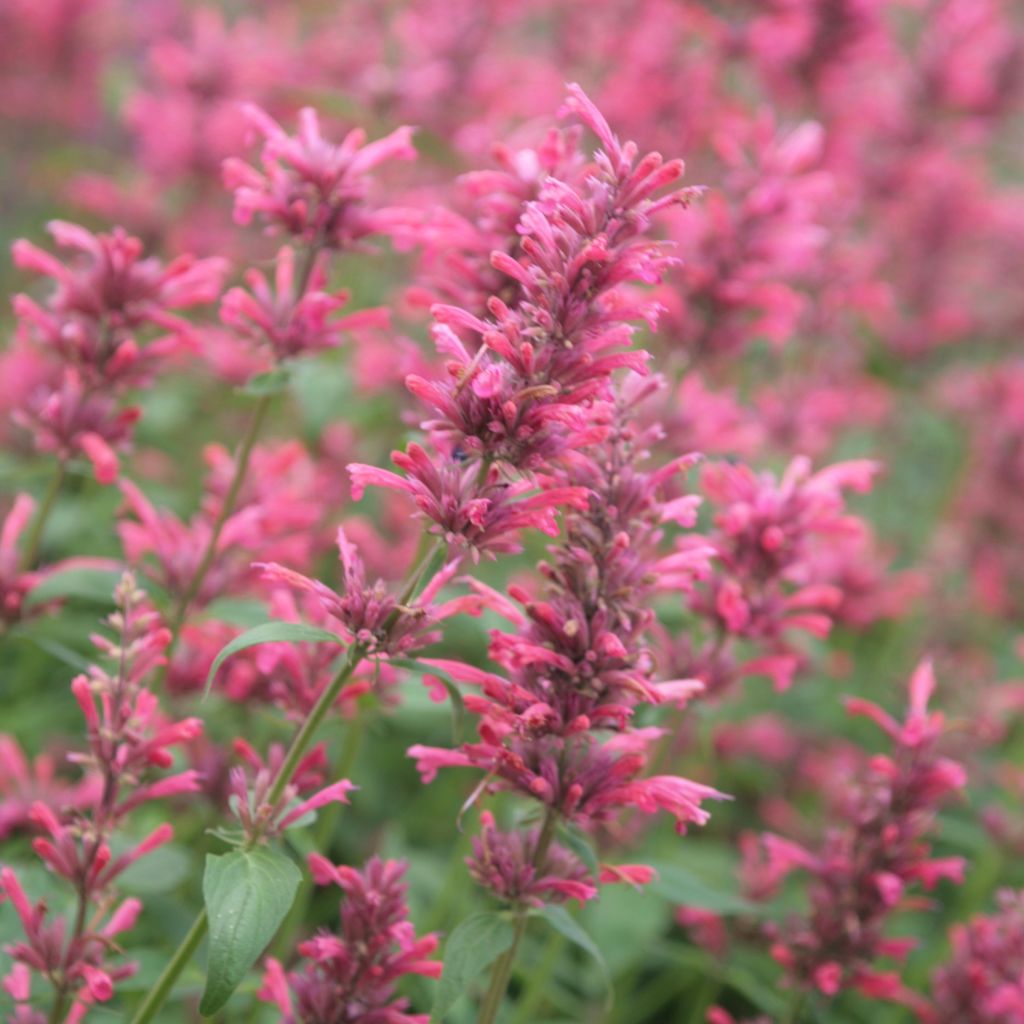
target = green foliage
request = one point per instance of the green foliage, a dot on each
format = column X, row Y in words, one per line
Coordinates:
column 247, row 895
column 268, row 633
column 474, row 945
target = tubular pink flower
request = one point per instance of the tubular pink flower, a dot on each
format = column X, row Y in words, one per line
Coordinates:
column 311, row 188
column 866, row 863
column 360, row 965
column 335, row 793
column 292, row 324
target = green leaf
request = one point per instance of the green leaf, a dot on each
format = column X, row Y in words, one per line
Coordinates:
column 88, row 584
column 247, row 895
column 474, row 945
column 454, row 693
column 56, row 649
column 678, row 885
column 269, row 633
column 243, row 612
column 580, row 845
column 565, row 924
column 270, row 383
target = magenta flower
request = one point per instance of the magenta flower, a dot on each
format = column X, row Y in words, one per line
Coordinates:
column 103, row 298
column 371, row 615
column 485, row 513
column 70, row 419
column 170, row 550
column 867, row 864
column 111, row 286
column 519, row 393
column 577, row 665
column 25, row 783
column 82, row 964
column 766, row 578
column 502, row 863
column 310, row 188
column 259, row 816
column 351, row 976
column 983, row 980
column 128, row 738
column 290, row 323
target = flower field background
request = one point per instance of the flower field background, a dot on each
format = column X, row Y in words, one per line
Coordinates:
column 461, row 563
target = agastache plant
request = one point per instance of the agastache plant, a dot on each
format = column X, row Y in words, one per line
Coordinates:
column 484, row 493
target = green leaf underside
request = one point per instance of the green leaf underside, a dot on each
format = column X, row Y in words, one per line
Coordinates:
column 474, row 945
column 248, row 893
column 687, row 889
column 269, row 633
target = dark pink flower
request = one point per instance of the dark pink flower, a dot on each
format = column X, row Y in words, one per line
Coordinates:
column 866, row 863
column 983, row 980
column 310, row 188
column 502, row 862
column 371, row 615
column 250, row 790
column 351, row 975
column 482, row 512
column 288, row 322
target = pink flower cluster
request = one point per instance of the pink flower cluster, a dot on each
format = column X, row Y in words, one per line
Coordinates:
column 577, row 666
column 776, row 567
column 350, row 976
column 88, row 337
column 984, row 979
column 128, row 738
column 864, row 868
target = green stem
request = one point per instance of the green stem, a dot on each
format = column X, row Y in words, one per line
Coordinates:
column 35, row 537
column 323, row 833
column 526, row 1008
column 312, row 722
column 241, row 468
column 502, row 970
column 162, row 989
column 60, row 1004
